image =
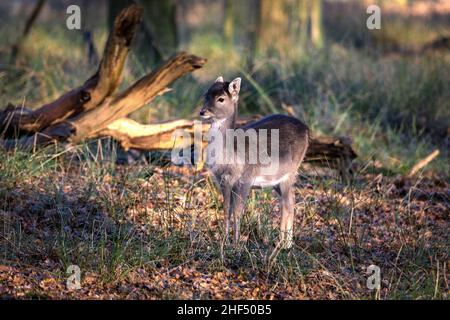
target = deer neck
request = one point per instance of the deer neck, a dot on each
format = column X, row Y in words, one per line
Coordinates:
column 225, row 124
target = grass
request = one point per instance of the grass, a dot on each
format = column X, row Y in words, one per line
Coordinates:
column 132, row 228
column 155, row 231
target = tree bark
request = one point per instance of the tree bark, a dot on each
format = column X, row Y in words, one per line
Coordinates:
column 90, row 124
column 131, row 134
column 142, row 92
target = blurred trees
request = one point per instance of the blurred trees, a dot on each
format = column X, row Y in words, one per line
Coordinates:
column 273, row 26
column 15, row 50
column 228, row 23
column 157, row 39
column 317, row 36
column 257, row 26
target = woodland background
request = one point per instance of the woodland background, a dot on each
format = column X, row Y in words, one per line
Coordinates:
column 139, row 227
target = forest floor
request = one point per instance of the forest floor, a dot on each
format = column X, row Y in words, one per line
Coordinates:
column 149, row 232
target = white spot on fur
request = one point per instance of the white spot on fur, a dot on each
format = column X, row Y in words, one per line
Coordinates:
column 216, row 125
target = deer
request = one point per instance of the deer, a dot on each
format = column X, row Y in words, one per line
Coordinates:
column 286, row 137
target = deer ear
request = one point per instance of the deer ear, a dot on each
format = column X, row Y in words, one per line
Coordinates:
column 235, row 87
column 219, row 79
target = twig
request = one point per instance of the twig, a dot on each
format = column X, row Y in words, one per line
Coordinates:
column 422, row 163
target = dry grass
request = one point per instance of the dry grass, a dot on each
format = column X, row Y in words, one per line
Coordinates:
column 143, row 231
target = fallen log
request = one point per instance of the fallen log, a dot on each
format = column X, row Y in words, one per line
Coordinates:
column 90, row 123
column 14, row 120
column 152, row 137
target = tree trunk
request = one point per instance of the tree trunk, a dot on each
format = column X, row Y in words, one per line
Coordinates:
column 273, row 31
column 303, row 15
column 160, row 19
column 317, row 36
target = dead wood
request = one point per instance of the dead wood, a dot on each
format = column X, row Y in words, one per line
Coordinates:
column 131, row 134
column 331, row 152
column 93, row 123
column 423, row 162
column 86, row 97
column 90, row 124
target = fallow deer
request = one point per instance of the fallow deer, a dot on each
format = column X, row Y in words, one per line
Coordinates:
column 287, row 137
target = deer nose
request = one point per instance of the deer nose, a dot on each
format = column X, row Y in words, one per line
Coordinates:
column 202, row 113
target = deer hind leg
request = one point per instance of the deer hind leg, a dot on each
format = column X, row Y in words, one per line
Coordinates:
column 239, row 195
column 286, row 193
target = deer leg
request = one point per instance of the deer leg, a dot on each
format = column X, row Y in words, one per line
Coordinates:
column 239, row 195
column 226, row 192
column 286, row 193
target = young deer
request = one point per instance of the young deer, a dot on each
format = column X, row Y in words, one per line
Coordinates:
column 236, row 178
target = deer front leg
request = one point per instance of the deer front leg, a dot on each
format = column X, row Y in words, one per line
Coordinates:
column 239, row 195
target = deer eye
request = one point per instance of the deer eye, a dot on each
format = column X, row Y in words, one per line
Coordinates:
column 220, row 99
